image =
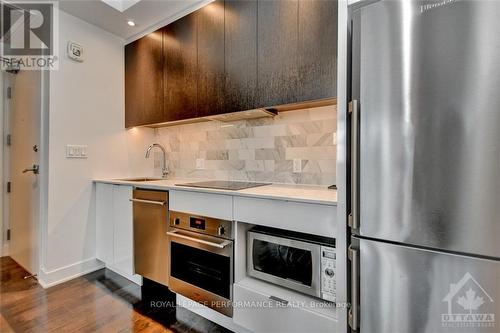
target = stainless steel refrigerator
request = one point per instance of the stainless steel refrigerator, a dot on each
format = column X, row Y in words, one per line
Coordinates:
column 425, row 166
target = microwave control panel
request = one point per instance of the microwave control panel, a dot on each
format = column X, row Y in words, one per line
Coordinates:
column 328, row 272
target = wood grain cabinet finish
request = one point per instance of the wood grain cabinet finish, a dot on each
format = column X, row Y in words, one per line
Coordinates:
column 317, row 50
column 210, row 71
column 240, row 52
column 277, row 52
column 180, row 69
column 144, row 81
column 233, row 55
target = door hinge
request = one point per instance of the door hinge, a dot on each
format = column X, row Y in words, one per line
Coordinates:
column 9, row 187
column 352, row 223
column 8, row 234
column 9, row 92
column 8, row 140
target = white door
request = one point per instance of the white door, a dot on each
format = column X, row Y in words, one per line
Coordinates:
column 25, row 111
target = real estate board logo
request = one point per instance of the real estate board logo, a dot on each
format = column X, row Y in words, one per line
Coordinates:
column 29, row 34
column 468, row 305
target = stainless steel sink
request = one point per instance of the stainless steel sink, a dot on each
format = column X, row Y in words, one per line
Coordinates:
column 140, row 179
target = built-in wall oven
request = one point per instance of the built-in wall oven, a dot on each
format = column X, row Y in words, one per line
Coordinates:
column 201, row 260
column 302, row 262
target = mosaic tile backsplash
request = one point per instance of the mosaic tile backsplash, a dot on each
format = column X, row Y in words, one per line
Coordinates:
column 256, row 150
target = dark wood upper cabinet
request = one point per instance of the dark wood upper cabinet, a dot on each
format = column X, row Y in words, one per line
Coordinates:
column 180, row 69
column 144, row 81
column 233, row 55
column 277, row 52
column 240, row 54
column 317, row 53
column 210, row 71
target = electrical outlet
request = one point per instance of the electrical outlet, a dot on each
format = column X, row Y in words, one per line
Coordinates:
column 297, row 165
column 200, row 163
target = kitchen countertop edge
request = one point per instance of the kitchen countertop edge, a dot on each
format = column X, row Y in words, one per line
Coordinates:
column 303, row 193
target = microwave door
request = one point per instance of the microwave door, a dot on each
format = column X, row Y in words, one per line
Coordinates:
column 290, row 263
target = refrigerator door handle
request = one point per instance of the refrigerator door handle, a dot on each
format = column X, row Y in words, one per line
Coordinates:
column 354, row 215
column 353, row 316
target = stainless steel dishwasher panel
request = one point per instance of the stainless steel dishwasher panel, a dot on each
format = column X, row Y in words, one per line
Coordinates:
column 151, row 250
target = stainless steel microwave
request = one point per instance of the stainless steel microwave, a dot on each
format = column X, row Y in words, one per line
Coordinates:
column 304, row 263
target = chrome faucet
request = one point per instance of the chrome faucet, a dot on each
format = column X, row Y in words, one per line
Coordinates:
column 164, row 169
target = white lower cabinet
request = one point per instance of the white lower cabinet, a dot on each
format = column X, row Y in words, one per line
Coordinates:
column 114, row 229
column 260, row 312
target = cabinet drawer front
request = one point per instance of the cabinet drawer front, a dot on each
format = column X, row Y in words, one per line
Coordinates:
column 205, row 204
column 302, row 217
column 271, row 317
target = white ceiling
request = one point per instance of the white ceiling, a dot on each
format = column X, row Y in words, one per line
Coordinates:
column 147, row 14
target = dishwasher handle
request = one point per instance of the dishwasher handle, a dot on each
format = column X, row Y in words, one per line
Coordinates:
column 152, row 202
column 222, row 245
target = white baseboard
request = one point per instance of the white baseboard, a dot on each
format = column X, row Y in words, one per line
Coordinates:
column 5, row 249
column 137, row 279
column 51, row 278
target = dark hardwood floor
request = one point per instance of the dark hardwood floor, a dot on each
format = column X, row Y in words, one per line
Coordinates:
column 101, row 301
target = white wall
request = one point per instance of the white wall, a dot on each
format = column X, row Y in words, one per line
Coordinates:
column 86, row 106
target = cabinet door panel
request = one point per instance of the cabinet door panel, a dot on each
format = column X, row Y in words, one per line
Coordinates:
column 144, row 81
column 104, row 223
column 317, row 52
column 123, row 230
column 277, row 52
column 210, row 78
column 240, row 54
column 180, row 49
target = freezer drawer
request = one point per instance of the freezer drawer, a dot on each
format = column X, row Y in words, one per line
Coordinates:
column 426, row 76
column 405, row 289
column 261, row 312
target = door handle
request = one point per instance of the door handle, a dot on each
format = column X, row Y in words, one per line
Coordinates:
column 201, row 241
column 353, row 316
column 354, row 215
column 161, row 203
column 278, row 300
column 35, row 169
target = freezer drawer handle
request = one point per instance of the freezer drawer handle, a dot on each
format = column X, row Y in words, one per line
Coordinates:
column 281, row 301
column 160, row 203
column 354, row 310
column 200, row 241
column 354, row 216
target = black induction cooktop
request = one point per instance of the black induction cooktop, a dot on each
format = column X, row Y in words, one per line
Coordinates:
column 224, row 185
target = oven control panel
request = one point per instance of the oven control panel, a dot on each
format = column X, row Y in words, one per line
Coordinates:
column 201, row 224
column 328, row 274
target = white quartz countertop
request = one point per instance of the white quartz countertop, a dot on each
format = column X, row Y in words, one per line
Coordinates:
column 299, row 193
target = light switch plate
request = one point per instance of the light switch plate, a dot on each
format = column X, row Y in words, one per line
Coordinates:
column 297, row 165
column 200, row 163
column 76, row 151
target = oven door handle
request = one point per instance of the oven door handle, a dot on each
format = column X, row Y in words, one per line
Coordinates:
column 222, row 245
